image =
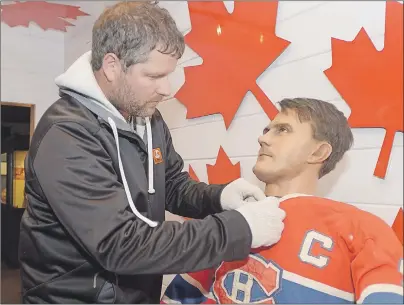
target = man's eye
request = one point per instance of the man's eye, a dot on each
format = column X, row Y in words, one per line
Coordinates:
column 156, row 76
column 282, row 129
column 265, row 130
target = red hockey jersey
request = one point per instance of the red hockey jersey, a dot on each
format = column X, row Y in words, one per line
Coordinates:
column 330, row 252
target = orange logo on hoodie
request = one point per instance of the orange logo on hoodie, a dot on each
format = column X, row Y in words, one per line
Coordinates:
column 157, row 156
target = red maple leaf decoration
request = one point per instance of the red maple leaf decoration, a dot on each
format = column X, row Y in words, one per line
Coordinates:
column 398, row 225
column 193, row 174
column 222, row 172
column 371, row 81
column 236, row 48
column 46, row 15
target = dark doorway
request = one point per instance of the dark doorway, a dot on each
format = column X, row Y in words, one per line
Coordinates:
column 17, row 125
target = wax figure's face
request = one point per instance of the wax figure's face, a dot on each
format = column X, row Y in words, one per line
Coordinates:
column 138, row 90
column 287, row 149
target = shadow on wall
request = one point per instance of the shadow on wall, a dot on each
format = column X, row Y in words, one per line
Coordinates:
column 327, row 183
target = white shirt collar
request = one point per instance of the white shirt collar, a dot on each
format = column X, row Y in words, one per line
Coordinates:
column 293, row 195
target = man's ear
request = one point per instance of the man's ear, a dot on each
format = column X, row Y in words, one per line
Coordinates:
column 321, row 153
column 111, row 67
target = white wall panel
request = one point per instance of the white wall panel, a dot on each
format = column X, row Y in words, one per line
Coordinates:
column 311, row 32
column 30, row 60
column 179, row 10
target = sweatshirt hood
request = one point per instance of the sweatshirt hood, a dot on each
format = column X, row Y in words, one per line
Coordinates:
column 79, row 78
column 80, row 83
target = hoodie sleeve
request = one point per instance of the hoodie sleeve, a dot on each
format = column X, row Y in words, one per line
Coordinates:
column 78, row 180
column 185, row 196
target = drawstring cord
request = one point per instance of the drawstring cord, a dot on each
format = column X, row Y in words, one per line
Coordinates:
column 150, row 222
column 150, row 156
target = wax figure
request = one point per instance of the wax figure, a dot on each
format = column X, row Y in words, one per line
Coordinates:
column 330, row 252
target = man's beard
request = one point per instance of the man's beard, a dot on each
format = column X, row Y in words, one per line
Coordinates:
column 126, row 101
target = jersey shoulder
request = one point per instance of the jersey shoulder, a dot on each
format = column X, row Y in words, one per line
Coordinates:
column 320, row 204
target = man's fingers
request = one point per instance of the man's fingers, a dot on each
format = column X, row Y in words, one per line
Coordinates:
column 250, row 199
column 256, row 193
column 271, row 200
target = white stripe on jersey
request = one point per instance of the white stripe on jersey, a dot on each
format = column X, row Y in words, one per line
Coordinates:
column 389, row 288
column 194, row 283
column 167, row 300
column 304, row 281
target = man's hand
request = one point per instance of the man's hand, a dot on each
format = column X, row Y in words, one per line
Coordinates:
column 265, row 219
column 238, row 192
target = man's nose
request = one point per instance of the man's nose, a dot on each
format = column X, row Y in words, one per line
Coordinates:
column 260, row 140
column 164, row 87
column 264, row 139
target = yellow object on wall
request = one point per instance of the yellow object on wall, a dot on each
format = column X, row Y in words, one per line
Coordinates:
column 18, row 181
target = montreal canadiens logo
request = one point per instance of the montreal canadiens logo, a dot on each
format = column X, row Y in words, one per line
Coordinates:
column 253, row 280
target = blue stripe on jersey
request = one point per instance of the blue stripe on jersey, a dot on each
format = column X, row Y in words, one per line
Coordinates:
column 384, row 297
column 182, row 291
column 298, row 294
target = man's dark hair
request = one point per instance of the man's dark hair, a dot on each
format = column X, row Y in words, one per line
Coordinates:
column 131, row 30
column 328, row 124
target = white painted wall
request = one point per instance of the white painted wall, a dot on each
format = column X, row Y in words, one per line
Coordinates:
column 30, row 60
column 77, row 40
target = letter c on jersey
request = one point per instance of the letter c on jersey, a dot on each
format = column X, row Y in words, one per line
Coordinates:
column 306, row 250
